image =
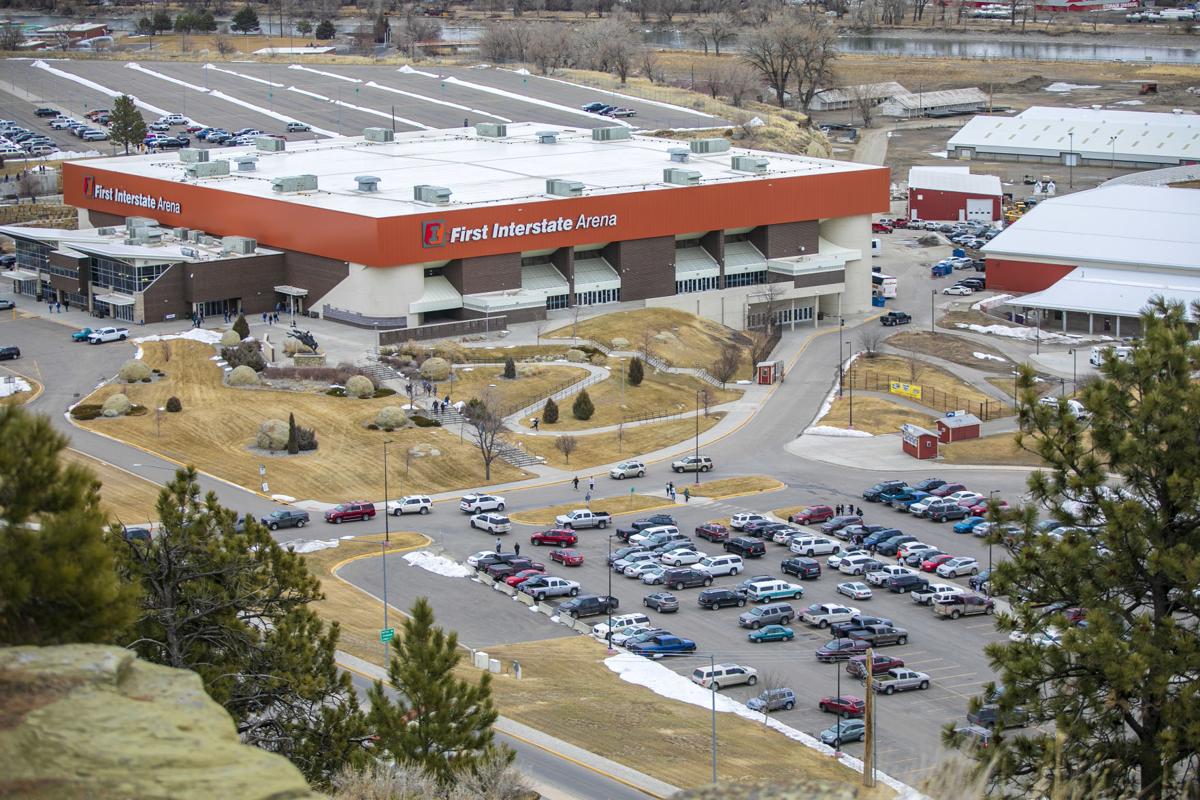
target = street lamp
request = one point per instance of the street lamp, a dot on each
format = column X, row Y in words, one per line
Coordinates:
column 1074, row 370
column 841, row 356
column 851, row 394
column 993, row 512
column 697, row 465
column 932, row 308
column 1112, row 142
column 609, row 604
column 386, row 539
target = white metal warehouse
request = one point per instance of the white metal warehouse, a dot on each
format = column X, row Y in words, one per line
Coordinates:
column 947, row 101
column 844, row 97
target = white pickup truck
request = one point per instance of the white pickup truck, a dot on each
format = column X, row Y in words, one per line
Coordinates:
column 582, row 518
column 900, row 680
column 108, row 335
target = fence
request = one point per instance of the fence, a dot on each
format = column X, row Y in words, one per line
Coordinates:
column 442, row 330
column 936, row 399
column 563, row 390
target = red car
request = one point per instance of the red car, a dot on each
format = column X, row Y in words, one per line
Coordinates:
column 879, row 227
column 857, row 665
column 947, row 489
column 559, row 536
column 568, row 558
column 845, row 706
column 812, row 515
column 981, row 508
column 346, row 512
column 522, row 576
column 712, row 531
column 899, row 222
column 933, row 562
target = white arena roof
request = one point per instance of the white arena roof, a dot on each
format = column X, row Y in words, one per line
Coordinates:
column 1114, row 292
column 478, row 170
column 1146, row 226
column 953, row 179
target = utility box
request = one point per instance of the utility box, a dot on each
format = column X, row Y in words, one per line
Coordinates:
column 918, row 442
column 294, row 183
column 681, row 177
column 379, row 135
column 269, row 144
column 192, row 155
column 207, row 169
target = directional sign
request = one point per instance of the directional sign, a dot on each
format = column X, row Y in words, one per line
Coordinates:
column 387, row 634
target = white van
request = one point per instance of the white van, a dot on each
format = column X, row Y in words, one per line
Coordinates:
column 722, row 675
column 1097, row 356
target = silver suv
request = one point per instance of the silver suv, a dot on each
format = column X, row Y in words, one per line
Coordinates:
column 692, row 464
column 628, row 469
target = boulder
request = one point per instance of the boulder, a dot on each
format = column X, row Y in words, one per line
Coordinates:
column 230, row 339
column 577, row 356
column 359, row 386
column 243, row 376
column 391, row 417
column 116, row 405
column 123, row 727
column 665, row 336
column 134, row 370
column 272, row 434
column 435, row 369
column 620, row 343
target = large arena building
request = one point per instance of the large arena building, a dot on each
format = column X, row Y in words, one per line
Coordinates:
column 497, row 223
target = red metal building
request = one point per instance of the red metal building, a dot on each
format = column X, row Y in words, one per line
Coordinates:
column 953, row 194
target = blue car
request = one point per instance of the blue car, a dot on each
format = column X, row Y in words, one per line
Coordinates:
column 663, row 644
column 902, row 503
column 845, row 730
column 968, row 524
column 772, row 633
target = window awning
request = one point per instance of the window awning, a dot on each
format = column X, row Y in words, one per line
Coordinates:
column 743, row 257
column 19, row 275
column 439, row 295
column 695, row 262
column 829, row 257
column 543, row 279
column 292, row 291
column 115, row 299
column 500, row 302
column 1115, row 292
column 595, row 275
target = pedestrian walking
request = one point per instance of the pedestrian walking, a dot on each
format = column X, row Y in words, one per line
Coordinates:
column 592, row 484
column 668, row 489
column 838, row 509
column 447, row 399
column 58, row 307
column 498, row 547
column 264, row 317
column 50, row 308
column 516, row 548
column 536, row 422
column 672, row 494
column 66, row 305
column 587, row 498
column 858, row 512
column 687, row 495
column 575, row 483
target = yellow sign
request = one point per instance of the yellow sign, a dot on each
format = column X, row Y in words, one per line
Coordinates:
column 905, row 389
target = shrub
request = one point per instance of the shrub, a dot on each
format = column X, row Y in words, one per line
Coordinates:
column 576, row 355
column 245, row 354
column 335, row 391
column 116, row 405
column 371, row 426
column 339, row 374
column 510, row 368
column 435, row 369
column 242, row 376
column 583, row 408
column 292, row 346
column 383, row 391
column 391, row 416
column 636, row 372
column 306, row 438
column 272, row 435
column 360, row 386
column 293, row 444
column 134, row 370
column 230, row 339
column 86, row 411
column 241, row 327
column 451, row 351
column 550, row 411
column 599, row 360
column 425, row 422
column 173, row 405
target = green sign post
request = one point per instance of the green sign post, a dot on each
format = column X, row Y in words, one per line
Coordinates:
column 387, row 634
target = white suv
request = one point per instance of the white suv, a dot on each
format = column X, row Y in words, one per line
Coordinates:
column 721, row 565
column 628, row 469
column 813, row 546
column 474, row 503
column 492, row 523
column 620, row 623
column 740, row 521
column 410, row 504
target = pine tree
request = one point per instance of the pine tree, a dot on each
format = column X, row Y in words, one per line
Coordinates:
column 233, row 606
column 636, row 372
column 245, row 20
column 325, row 30
column 304, row 27
column 438, row 720
column 58, row 582
column 550, row 412
column 160, row 22
column 510, row 368
column 293, row 442
column 1113, row 708
column 583, row 408
column 241, row 327
column 126, row 126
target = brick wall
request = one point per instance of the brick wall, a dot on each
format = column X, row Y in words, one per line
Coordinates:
column 563, row 260
column 252, row 279
column 485, row 274
column 646, row 266
column 787, row 239
column 165, row 296
column 316, row 273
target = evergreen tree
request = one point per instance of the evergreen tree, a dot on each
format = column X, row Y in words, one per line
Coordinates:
column 207, row 22
column 304, row 27
column 438, row 721
column 326, row 31
column 550, row 412
column 58, row 582
column 161, row 21
column 126, row 125
column 510, row 368
column 245, row 19
column 241, row 327
column 293, row 442
column 636, row 372
column 233, row 606
column 583, row 408
column 1113, row 709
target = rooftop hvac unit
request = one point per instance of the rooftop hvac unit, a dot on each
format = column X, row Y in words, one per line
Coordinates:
column 196, row 236
column 294, row 183
column 192, row 155
column 681, row 177
column 709, row 145
column 547, row 137
column 438, row 195
column 749, row 164
column 146, row 236
column 238, row 245
column 367, row 183
column 379, row 135
column 609, row 134
column 269, row 144
column 563, row 188
column 189, row 252
column 494, row 130
column 136, row 223
column 246, row 163
column 207, row 169
column 106, row 231
column 679, row 154
column 180, row 233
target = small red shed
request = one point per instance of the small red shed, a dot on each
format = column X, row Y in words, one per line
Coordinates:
column 957, row 426
column 768, row 372
column 918, row 442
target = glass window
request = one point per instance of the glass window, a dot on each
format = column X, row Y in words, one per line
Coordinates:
column 125, row 278
column 432, row 271
column 683, row 244
column 746, row 279
column 530, row 261
column 584, row 255
column 33, row 255
column 695, row 285
column 737, row 237
column 557, row 301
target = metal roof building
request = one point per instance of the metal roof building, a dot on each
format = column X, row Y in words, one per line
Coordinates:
column 1087, row 136
column 947, row 101
column 844, row 97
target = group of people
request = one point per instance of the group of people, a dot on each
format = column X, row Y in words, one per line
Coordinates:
column 56, row 307
column 687, row 492
column 500, row 548
column 847, row 508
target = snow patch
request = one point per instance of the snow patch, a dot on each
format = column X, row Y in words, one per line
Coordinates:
column 522, row 71
column 479, row 87
column 311, row 546
column 1130, row 103
column 829, row 398
column 988, row 357
column 13, row 385
column 201, row 335
column 554, row 618
column 407, row 70
column 1059, row 86
column 988, row 302
column 937, row 154
column 829, row 430
column 104, row 90
column 662, row 681
column 439, row 565
column 1028, row 334
column 283, row 498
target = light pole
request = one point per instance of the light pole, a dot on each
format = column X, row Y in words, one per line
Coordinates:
column 1074, row 370
column 851, row 394
column 932, row 308
column 1112, row 143
column 712, row 663
column 993, row 512
column 1071, row 161
column 841, row 356
column 697, row 470
column 610, row 572
column 386, row 539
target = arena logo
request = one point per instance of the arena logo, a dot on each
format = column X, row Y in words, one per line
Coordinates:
column 435, row 233
column 98, row 191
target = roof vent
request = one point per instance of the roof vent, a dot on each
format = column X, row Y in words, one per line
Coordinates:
column 679, row 154
column 495, row 130
column 379, row 135
column 189, row 252
column 180, row 233
column 238, row 245
column 136, row 223
column 709, row 145
column 563, row 188
column 681, row 177
column 207, row 169
column 196, row 236
column 106, row 231
column 367, row 183
column 246, row 163
column 438, row 195
column 294, row 183
column 754, row 164
column 269, row 144
column 145, row 236
column 192, row 155
column 547, row 137
column 609, row 134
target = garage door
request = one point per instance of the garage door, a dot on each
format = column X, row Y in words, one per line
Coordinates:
column 979, row 210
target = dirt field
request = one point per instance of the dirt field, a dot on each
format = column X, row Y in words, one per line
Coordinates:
column 949, row 347
column 1000, row 449
column 733, row 487
column 604, row 448
column 216, row 431
column 873, row 415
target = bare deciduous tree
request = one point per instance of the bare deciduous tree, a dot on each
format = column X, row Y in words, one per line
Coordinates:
column 870, row 337
column 483, row 417
column 652, row 65
column 892, row 12
column 816, row 50
column 566, row 445
column 770, row 50
column 915, row 366
column 727, row 363
column 549, row 46
column 715, row 30
column 865, row 102
column 739, row 82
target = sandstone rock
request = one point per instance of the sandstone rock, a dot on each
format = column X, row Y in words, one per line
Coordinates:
column 96, row 721
column 134, row 370
column 272, row 434
column 230, row 339
column 435, row 369
column 391, row 417
column 243, row 376
column 359, row 386
column 576, row 356
column 664, row 336
column 116, row 405
column 620, row 343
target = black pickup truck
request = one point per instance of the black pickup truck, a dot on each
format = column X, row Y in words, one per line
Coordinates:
column 895, row 318
column 638, row 525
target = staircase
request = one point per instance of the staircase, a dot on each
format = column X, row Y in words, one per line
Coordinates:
column 516, row 456
column 379, row 373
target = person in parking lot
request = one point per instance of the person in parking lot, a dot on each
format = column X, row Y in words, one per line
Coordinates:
column 858, row 511
column 516, row 548
column 687, row 495
column 575, row 483
column 497, row 544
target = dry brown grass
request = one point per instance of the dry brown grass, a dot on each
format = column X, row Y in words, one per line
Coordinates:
column 692, row 341
column 124, row 496
column 605, row 448
column 947, row 346
column 216, row 430
column 732, row 487
column 874, row 415
column 21, row 398
column 1009, row 386
column 532, row 382
column 520, row 352
column 952, row 318
column 616, row 505
column 786, row 512
column 659, row 393
column 999, row 449
column 937, row 384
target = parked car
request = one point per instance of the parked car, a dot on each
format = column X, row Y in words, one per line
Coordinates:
column 619, row 623
column 663, row 645
column 845, row 706
column 719, row 676
column 947, row 489
column 285, row 518
column 519, row 577
column 298, row 127
column 568, row 558
column 712, row 531
column 717, row 598
column 539, row 588
column 926, row 594
column 682, row 557
column 968, row 525
column 944, row 513
column 911, row 582
column 741, row 520
column 771, row 633
column 895, row 318
column 679, row 579
column 492, row 523
column 692, row 464
column 663, row 602
column 813, row 546
column 891, row 546
column 854, row 590
column 822, row 615
column 773, row 590
column 348, row 512
column 837, row 523
column 410, row 504
column 955, row 567
column 555, row 536
column 803, row 568
column 475, row 503
column 583, row 518
column 963, row 605
column 881, row 635
column 109, row 334
column 881, row 576
column 840, row 650
column 9, row 352
column 588, row 605
column 844, row 730
column 628, row 469
column 721, row 565
column 900, row 679
column 857, row 665
column 746, row 547
column 773, row 700
column 503, row 569
column 879, row 227
column 872, row 494
column 991, row 716
column 812, row 515
column 770, row 614
column 858, row 565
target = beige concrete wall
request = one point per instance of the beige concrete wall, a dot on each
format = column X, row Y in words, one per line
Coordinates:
column 854, row 233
